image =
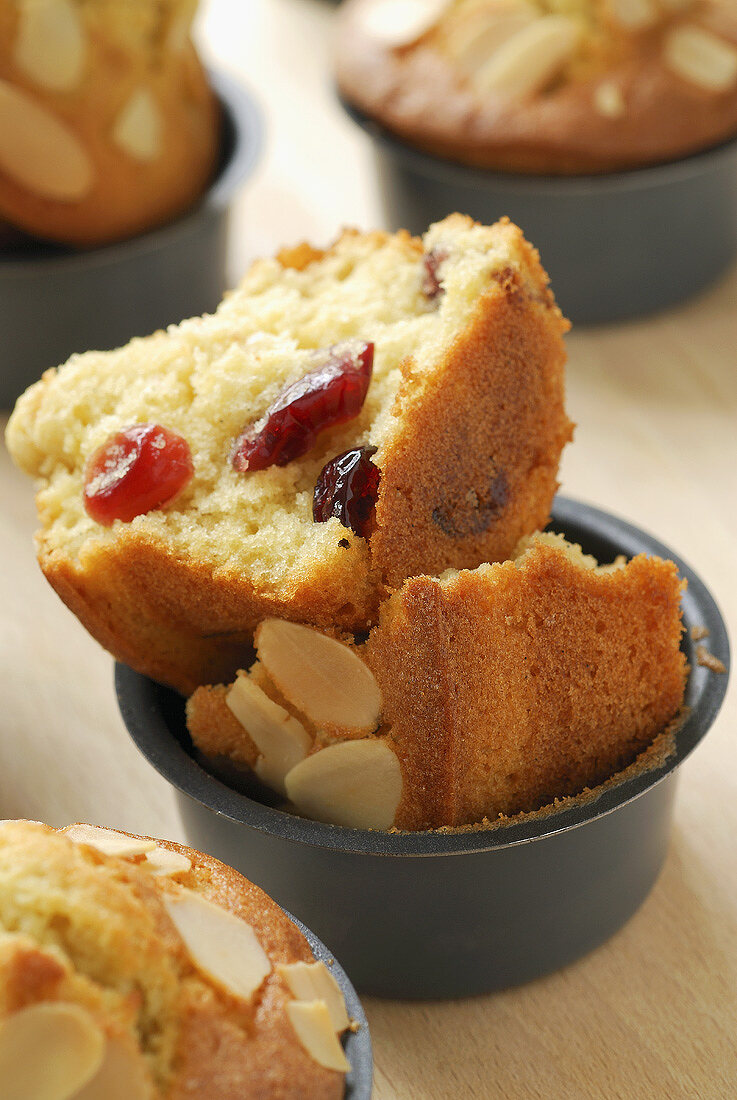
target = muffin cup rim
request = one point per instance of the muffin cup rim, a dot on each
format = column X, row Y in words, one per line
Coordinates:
column 705, row 691
column 247, row 119
column 457, row 171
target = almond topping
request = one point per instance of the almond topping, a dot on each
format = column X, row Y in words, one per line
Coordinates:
column 323, row 678
column 38, row 151
column 48, row 1051
column 314, row 982
column 354, row 783
column 472, row 40
column 701, row 58
column 221, row 945
column 138, row 130
column 634, row 15
column 122, row 1076
column 314, row 1029
column 398, row 23
column 530, row 59
column 281, row 739
column 108, row 841
column 608, row 100
column 50, row 47
column 163, row 861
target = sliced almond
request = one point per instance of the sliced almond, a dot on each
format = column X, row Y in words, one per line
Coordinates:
column 221, row 945
column 609, row 100
column 51, row 43
column 314, row 1029
column 324, row 679
column 397, row 23
column 701, row 58
column 48, row 1051
column 108, row 841
column 634, row 15
column 314, row 982
column 281, row 739
column 123, row 1075
column 163, row 861
column 472, row 40
column 354, row 783
column 38, row 151
column 138, row 130
column 530, row 59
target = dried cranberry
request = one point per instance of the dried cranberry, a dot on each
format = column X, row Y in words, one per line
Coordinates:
column 135, row 471
column 347, row 489
column 330, row 394
column 432, row 288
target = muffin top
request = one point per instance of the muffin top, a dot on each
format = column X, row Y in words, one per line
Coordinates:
column 147, row 970
column 545, row 86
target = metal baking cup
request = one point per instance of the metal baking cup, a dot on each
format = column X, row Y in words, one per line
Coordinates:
column 615, row 245
column 54, row 301
column 357, row 1042
column 451, row 914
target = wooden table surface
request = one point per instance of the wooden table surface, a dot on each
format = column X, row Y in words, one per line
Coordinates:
column 653, row 1014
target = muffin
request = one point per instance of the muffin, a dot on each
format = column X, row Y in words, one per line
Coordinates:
column 108, row 125
column 480, row 693
column 345, row 420
column 143, row 969
column 544, row 86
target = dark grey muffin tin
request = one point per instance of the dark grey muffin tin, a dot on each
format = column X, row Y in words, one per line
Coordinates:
column 427, row 915
column 55, row 301
column 615, row 245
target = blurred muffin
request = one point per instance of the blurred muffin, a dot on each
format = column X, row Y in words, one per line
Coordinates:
column 145, row 970
column 108, row 125
column 544, row 86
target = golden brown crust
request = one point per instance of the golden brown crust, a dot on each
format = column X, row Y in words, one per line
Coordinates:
column 225, row 1049
column 128, row 195
column 473, row 465
column 419, row 94
column 214, row 728
column 508, row 690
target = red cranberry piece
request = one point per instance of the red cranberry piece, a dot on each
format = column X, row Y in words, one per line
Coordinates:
column 135, row 471
column 347, row 489
column 330, row 394
column 432, row 288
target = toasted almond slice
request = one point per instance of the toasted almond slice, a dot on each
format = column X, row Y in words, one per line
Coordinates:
column 324, row 679
column 353, row 783
column 314, row 982
column 50, row 47
column 473, row 40
column 38, row 151
column 398, row 23
column 608, row 99
column 530, row 59
column 634, row 15
column 123, row 1075
column 221, row 945
column 281, row 739
column 314, row 1029
column 163, row 861
column 701, row 58
column 108, row 841
column 48, row 1051
column 138, row 130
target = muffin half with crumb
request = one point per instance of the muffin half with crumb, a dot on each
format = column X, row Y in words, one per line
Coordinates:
column 133, row 969
column 347, row 419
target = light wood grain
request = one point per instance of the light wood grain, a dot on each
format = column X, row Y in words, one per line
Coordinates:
column 653, row 1014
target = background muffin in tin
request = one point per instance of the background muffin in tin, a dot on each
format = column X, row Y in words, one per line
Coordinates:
column 544, row 86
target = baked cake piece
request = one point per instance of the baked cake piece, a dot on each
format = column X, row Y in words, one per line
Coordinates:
column 108, row 124
column 143, row 970
column 497, row 690
column 462, row 427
